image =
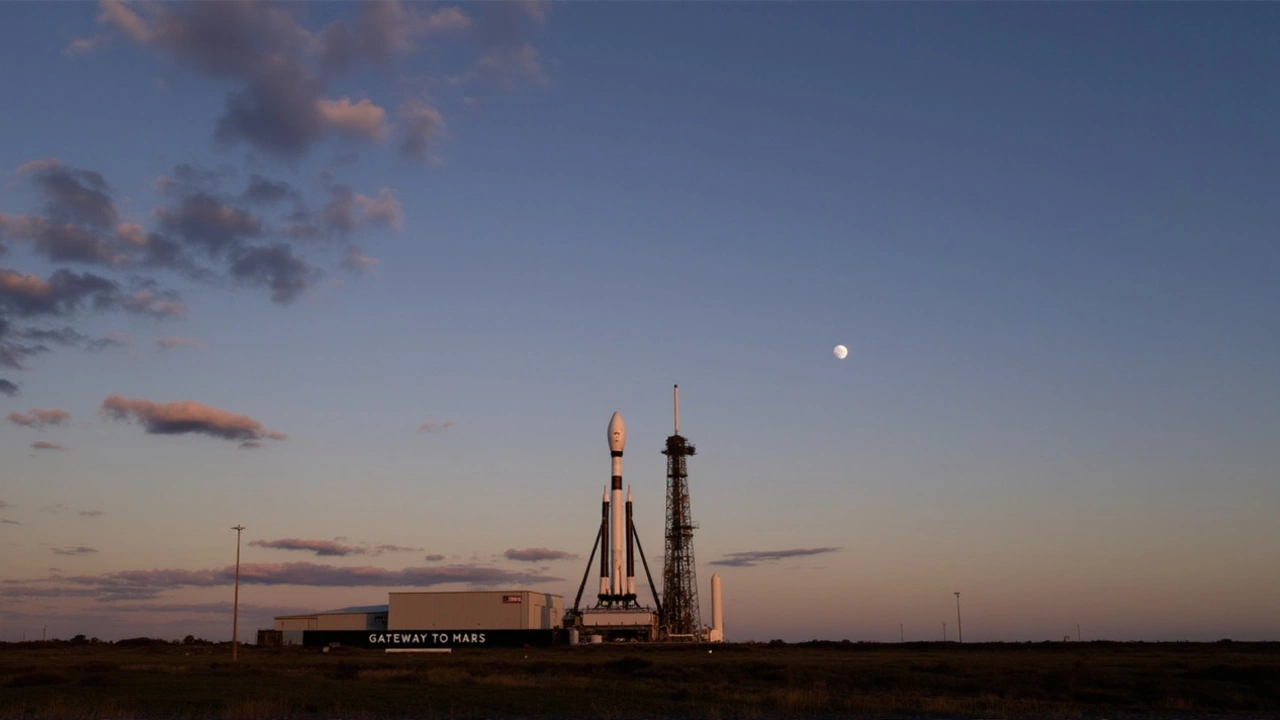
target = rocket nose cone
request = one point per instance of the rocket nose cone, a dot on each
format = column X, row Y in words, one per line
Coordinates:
column 617, row 434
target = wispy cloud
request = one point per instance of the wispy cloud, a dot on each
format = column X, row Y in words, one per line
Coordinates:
column 434, row 557
column 434, row 427
column 149, row 584
column 752, row 558
column 209, row 608
column 45, row 445
column 538, row 555
column 40, row 419
column 187, row 416
column 330, row 548
column 92, row 513
column 173, row 341
column 74, row 550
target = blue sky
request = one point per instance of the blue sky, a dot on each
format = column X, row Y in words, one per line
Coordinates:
column 1045, row 231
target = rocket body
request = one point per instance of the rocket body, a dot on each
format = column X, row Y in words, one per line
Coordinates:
column 617, row 443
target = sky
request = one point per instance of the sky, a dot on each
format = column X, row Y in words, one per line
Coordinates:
column 370, row 281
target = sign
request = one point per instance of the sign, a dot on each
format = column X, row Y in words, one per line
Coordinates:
column 511, row 599
column 416, row 639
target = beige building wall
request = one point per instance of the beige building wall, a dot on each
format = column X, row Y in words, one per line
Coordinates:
column 296, row 622
column 481, row 610
column 343, row 621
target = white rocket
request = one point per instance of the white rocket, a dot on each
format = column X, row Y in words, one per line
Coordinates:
column 617, row 569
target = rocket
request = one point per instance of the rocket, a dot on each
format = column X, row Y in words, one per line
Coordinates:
column 617, row 537
column 617, row 443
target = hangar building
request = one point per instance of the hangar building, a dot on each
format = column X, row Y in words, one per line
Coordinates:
column 424, row 620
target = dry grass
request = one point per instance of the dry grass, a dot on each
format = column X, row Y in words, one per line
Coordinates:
column 738, row 681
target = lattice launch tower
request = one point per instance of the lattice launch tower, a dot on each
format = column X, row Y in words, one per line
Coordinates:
column 680, row 614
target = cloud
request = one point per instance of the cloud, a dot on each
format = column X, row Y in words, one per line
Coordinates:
column 347, row 212
column 204, row 221
column 44, row 445
column 431, row 427
column 754, row 557
column 378, row 549
column 173, row 341
column 359, row 263
column 434, row 557
column 276, row 267
column 199, row 219
column 71, row 194
column 146, row 584
column 504, row 30
column 9, row 522
column 263, row 191
column 68, row 336
column 145, row 302
column 210, row 608
column 322, row 548
column 538, row 555
column 64, row 293
column 40, row 419
column 82, row 46
column 54, row 509
column 74, row 550
column 78, row 220
column 279, row 71
column 362, row 119
column 92, row 513
column 187, row 416
column 5, row 504
column 422, row 125
column 7, row 387
column 330, row 548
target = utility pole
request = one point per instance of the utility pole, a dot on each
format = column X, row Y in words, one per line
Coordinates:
column 944, row 631
column 235, row 606
column 1077, row 632
column 959, row 627
column 900, row 635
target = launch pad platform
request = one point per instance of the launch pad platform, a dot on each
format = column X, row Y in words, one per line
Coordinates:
column 616, row 624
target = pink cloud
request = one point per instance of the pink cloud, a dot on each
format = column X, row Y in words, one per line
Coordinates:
column 538, row 555
column 40, row 419
column 187, row 416
column 360, row 119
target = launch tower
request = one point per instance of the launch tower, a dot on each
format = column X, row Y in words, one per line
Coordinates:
column 680, row 615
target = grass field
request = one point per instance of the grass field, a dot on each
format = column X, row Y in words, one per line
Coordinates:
column 913, row 680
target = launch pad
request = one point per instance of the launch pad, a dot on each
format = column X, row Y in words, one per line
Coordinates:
column 618, row 614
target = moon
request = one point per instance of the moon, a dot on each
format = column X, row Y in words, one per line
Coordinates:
column 841, row 352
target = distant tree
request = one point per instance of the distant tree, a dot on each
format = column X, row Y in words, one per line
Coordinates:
column 189, row 640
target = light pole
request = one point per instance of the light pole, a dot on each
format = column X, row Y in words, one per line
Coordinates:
column 901, row 637
column 944, row 631
column 235, row 606
column 959, row 627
